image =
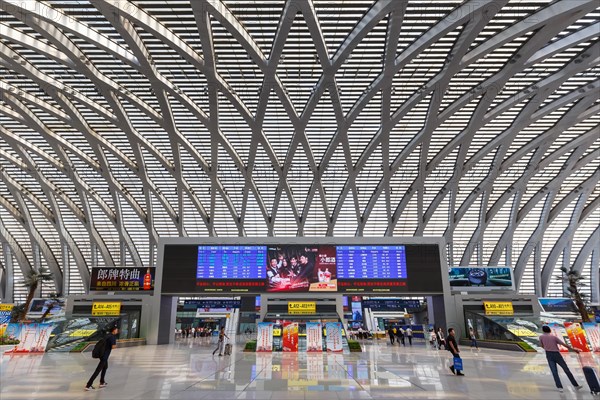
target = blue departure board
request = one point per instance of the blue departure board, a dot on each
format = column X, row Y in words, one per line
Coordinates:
column 371, row 262
column 231, row 262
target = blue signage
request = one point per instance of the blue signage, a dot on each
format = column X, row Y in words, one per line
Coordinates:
column 231, row 262
column 371, row 262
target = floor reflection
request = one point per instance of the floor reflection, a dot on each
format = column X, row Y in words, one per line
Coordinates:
column 192, row 372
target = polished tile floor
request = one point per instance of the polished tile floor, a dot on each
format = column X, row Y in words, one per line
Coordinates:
column 187, row 370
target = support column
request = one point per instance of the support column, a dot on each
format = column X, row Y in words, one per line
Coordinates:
column 436, row 311
column 9, row 274
column 164, row 325
column 537, row 269
column 595, row 276
column 66, row 268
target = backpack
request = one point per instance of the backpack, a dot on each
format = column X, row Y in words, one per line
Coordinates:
column 99, row 347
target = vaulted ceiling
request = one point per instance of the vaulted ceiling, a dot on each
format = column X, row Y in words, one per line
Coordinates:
column 125, row 121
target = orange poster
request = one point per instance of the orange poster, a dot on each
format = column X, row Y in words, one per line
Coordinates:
column 576, row 336
column 290, row 336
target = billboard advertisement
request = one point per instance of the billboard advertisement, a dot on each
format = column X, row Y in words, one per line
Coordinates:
column 558, row 305
column 481, row 278
column 264, row 337
column 560, row 332
column 296, row 268
column 289, row 339
column 592, row 332
column 116, row 279
column 334, row 336
column 39, row 307
column 5, row 311
column 314, row 337
column 576, row 336
column 32, row 338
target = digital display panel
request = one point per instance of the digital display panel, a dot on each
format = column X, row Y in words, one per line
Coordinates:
column 295, row 268
column 392, row 304
column 354, row 269
column 231, row 262
column 558, row 304
column 371, row 262
column 230, row 268
column 482, row 278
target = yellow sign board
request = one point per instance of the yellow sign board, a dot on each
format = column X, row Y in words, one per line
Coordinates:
column 498, row 307
column 83, row 332
column 6, row 307
column 106, row 308
column 302, row 307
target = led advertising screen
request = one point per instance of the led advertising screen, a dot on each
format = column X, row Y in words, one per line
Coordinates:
column 387, row 268
column 230, row 268
column 282, row 268
column 481, row 278
column 294, row 268
column 558, row 304
column 115, row 279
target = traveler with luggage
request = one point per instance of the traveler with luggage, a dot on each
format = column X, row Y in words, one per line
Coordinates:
column 550, row 344
column 221, row 343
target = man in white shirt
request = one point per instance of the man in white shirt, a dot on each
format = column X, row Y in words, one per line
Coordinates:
column 409, row 335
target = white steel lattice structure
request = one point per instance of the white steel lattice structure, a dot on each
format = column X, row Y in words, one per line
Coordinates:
column 124, row 121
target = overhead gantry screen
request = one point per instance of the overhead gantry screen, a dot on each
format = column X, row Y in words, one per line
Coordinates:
column 356, row 265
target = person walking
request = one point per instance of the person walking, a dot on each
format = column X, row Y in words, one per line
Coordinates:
column 110, row 344
column 550, row 344
column 409, row 335
column 221, row 342
column 391, row 333
column 473, row 338
column 433, row 339
column 400, row 334
column 440, row 339
column 452, row 346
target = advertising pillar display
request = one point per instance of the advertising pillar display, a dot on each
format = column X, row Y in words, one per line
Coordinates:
column 334, row 336
column 559, row 331
column 314, row 337
column 30, row 338
column 264, row 339
column 290, row 337
column 576, row 336
column 5, row 311
column 592, row 331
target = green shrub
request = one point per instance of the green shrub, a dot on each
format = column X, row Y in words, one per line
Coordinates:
column 79, row 347
column 354, row 346
column 5, row 340
column 250, row 346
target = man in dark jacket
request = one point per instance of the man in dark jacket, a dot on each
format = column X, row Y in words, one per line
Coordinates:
column 111, row 343
column 453, row 348
column 391, row 333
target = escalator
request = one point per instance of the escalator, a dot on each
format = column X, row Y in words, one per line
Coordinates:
column 73, row 334
column 505, row 332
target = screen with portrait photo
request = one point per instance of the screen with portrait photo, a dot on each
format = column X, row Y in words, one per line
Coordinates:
column 301, row 268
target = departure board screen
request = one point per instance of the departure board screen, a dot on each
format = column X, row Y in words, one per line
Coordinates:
column 371, row 262
column 231, row 262
column 268, row 266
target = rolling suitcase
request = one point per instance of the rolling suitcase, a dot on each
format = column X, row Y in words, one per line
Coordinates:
column 592, row 380
column 228, row 349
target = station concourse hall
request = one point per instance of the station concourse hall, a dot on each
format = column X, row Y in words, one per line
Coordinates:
column 299, row 199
